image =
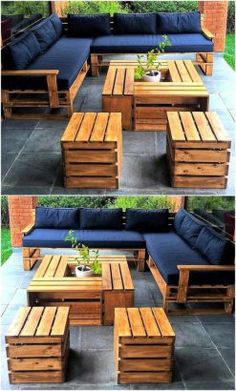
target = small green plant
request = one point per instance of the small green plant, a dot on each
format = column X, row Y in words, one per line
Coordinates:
column 150, row 65
column 84, row 258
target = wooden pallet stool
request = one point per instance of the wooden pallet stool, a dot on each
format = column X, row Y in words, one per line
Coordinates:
column 143, row 345
column 92, row 151
column 38, row 345
column 197, row 150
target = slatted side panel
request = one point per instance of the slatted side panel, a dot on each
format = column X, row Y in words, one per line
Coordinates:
column 144, row 344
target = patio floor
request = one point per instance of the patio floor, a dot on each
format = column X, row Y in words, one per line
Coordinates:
column 31, row 155
column 204, row 352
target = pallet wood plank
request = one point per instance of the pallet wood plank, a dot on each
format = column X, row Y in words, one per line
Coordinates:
column 106, row 277
column 122, row 322
column 217, row 127
column 116, row 276
column 149, row 321
column 18, row 323
column 174, row 73
column 136, row 323
column 86, row 127
column 60, row 321
column 129, row 81
column 163, row 322
column 32, row 322
column 183, row 71
column 109, row 82
column 119, row 83
column 113, row 131
column 195, row 77
column 189, row 126
column 175, row 127
column 46, row 322
column 203, row 126
column 72, row 128
column 43, row 266
column 99, row 129
column 52, row 267
column 126, row 277
column 61, row 269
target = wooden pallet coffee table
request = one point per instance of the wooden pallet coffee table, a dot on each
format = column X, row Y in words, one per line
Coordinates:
column 92, row 300
column 92, row 151
column 197, row 150
column 144, row 105
column 143, row 345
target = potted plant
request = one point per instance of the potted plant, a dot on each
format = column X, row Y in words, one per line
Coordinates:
column 148, row 69
column 87, row 264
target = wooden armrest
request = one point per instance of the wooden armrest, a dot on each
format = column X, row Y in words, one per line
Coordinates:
column 207, row 33
column 205, row 267
column 28, row 229
column 31, row 72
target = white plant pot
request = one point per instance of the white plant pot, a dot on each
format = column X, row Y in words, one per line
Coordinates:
column 86, row 273
column 153, row 79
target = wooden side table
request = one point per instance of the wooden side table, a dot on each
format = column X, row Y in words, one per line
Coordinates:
column 143, row 345
column 92, row 151
column 197, row 150
column 38, row 345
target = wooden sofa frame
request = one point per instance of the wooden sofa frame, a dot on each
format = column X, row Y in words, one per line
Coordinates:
column 204, row 59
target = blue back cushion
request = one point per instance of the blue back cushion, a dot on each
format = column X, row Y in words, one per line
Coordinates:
column 218, row 249
column 21, row 52
column 135, row 23
column 142, row 220
column 45, row 34
column 57, row 218
column 99, row 218
column 92, row 25
column 178, row 22
column 57, row 24
column 187, row 226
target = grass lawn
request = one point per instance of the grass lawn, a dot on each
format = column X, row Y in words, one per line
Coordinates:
column 230, row 50
column 6, row 250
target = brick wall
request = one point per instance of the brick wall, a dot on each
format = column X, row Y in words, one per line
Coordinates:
column 214, row 18
column 21, row 209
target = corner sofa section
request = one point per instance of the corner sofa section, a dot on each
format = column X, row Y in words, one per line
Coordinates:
column 50, row 60
column 190, row 261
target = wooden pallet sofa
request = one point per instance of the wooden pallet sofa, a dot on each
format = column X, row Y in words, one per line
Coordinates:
column 43, row 68
column 189, row 260
column 139, row 33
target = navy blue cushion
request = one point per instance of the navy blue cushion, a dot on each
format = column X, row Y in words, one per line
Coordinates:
column 215, row 247
column 169, row 250
column 55, row 238
column 57, row 24
column 178, row 22
column 57, row 218
column 21, row 52
column 134, row 23
column 187, row 226
column 143, row 43
column 92, row 25
column 99, row 218
column 67, row 55
column 127, row 43
column 182, row 43
column 45, row 34
column 143, row 220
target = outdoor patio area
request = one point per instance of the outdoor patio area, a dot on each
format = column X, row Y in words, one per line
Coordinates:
column 202, row 342
column 31, row 150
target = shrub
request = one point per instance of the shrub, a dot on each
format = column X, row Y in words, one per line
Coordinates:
column 73, row 201
column 162, row 6
column 149, row 202
column 25, row 7
column 90, row 7
column 4, row 212
column 231, row 17
column 209, row 203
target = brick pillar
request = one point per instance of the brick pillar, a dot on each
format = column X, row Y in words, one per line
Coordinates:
column 21, row 213
column 58, row 6
column 214, row 18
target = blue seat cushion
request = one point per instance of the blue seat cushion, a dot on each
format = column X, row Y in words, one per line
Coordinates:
column 134, row 23
column 67, row 54
column 55, row 238
column 57, row 218
column 178, row 22
column 125, row 43
column 192, row 43
column 101, row 218
column 187, row 226
column 218, row 249
column 138, row 43
column 169, row 250
column 21, row 52
column 89, row 25
column 144, row 220
column 57, row 24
